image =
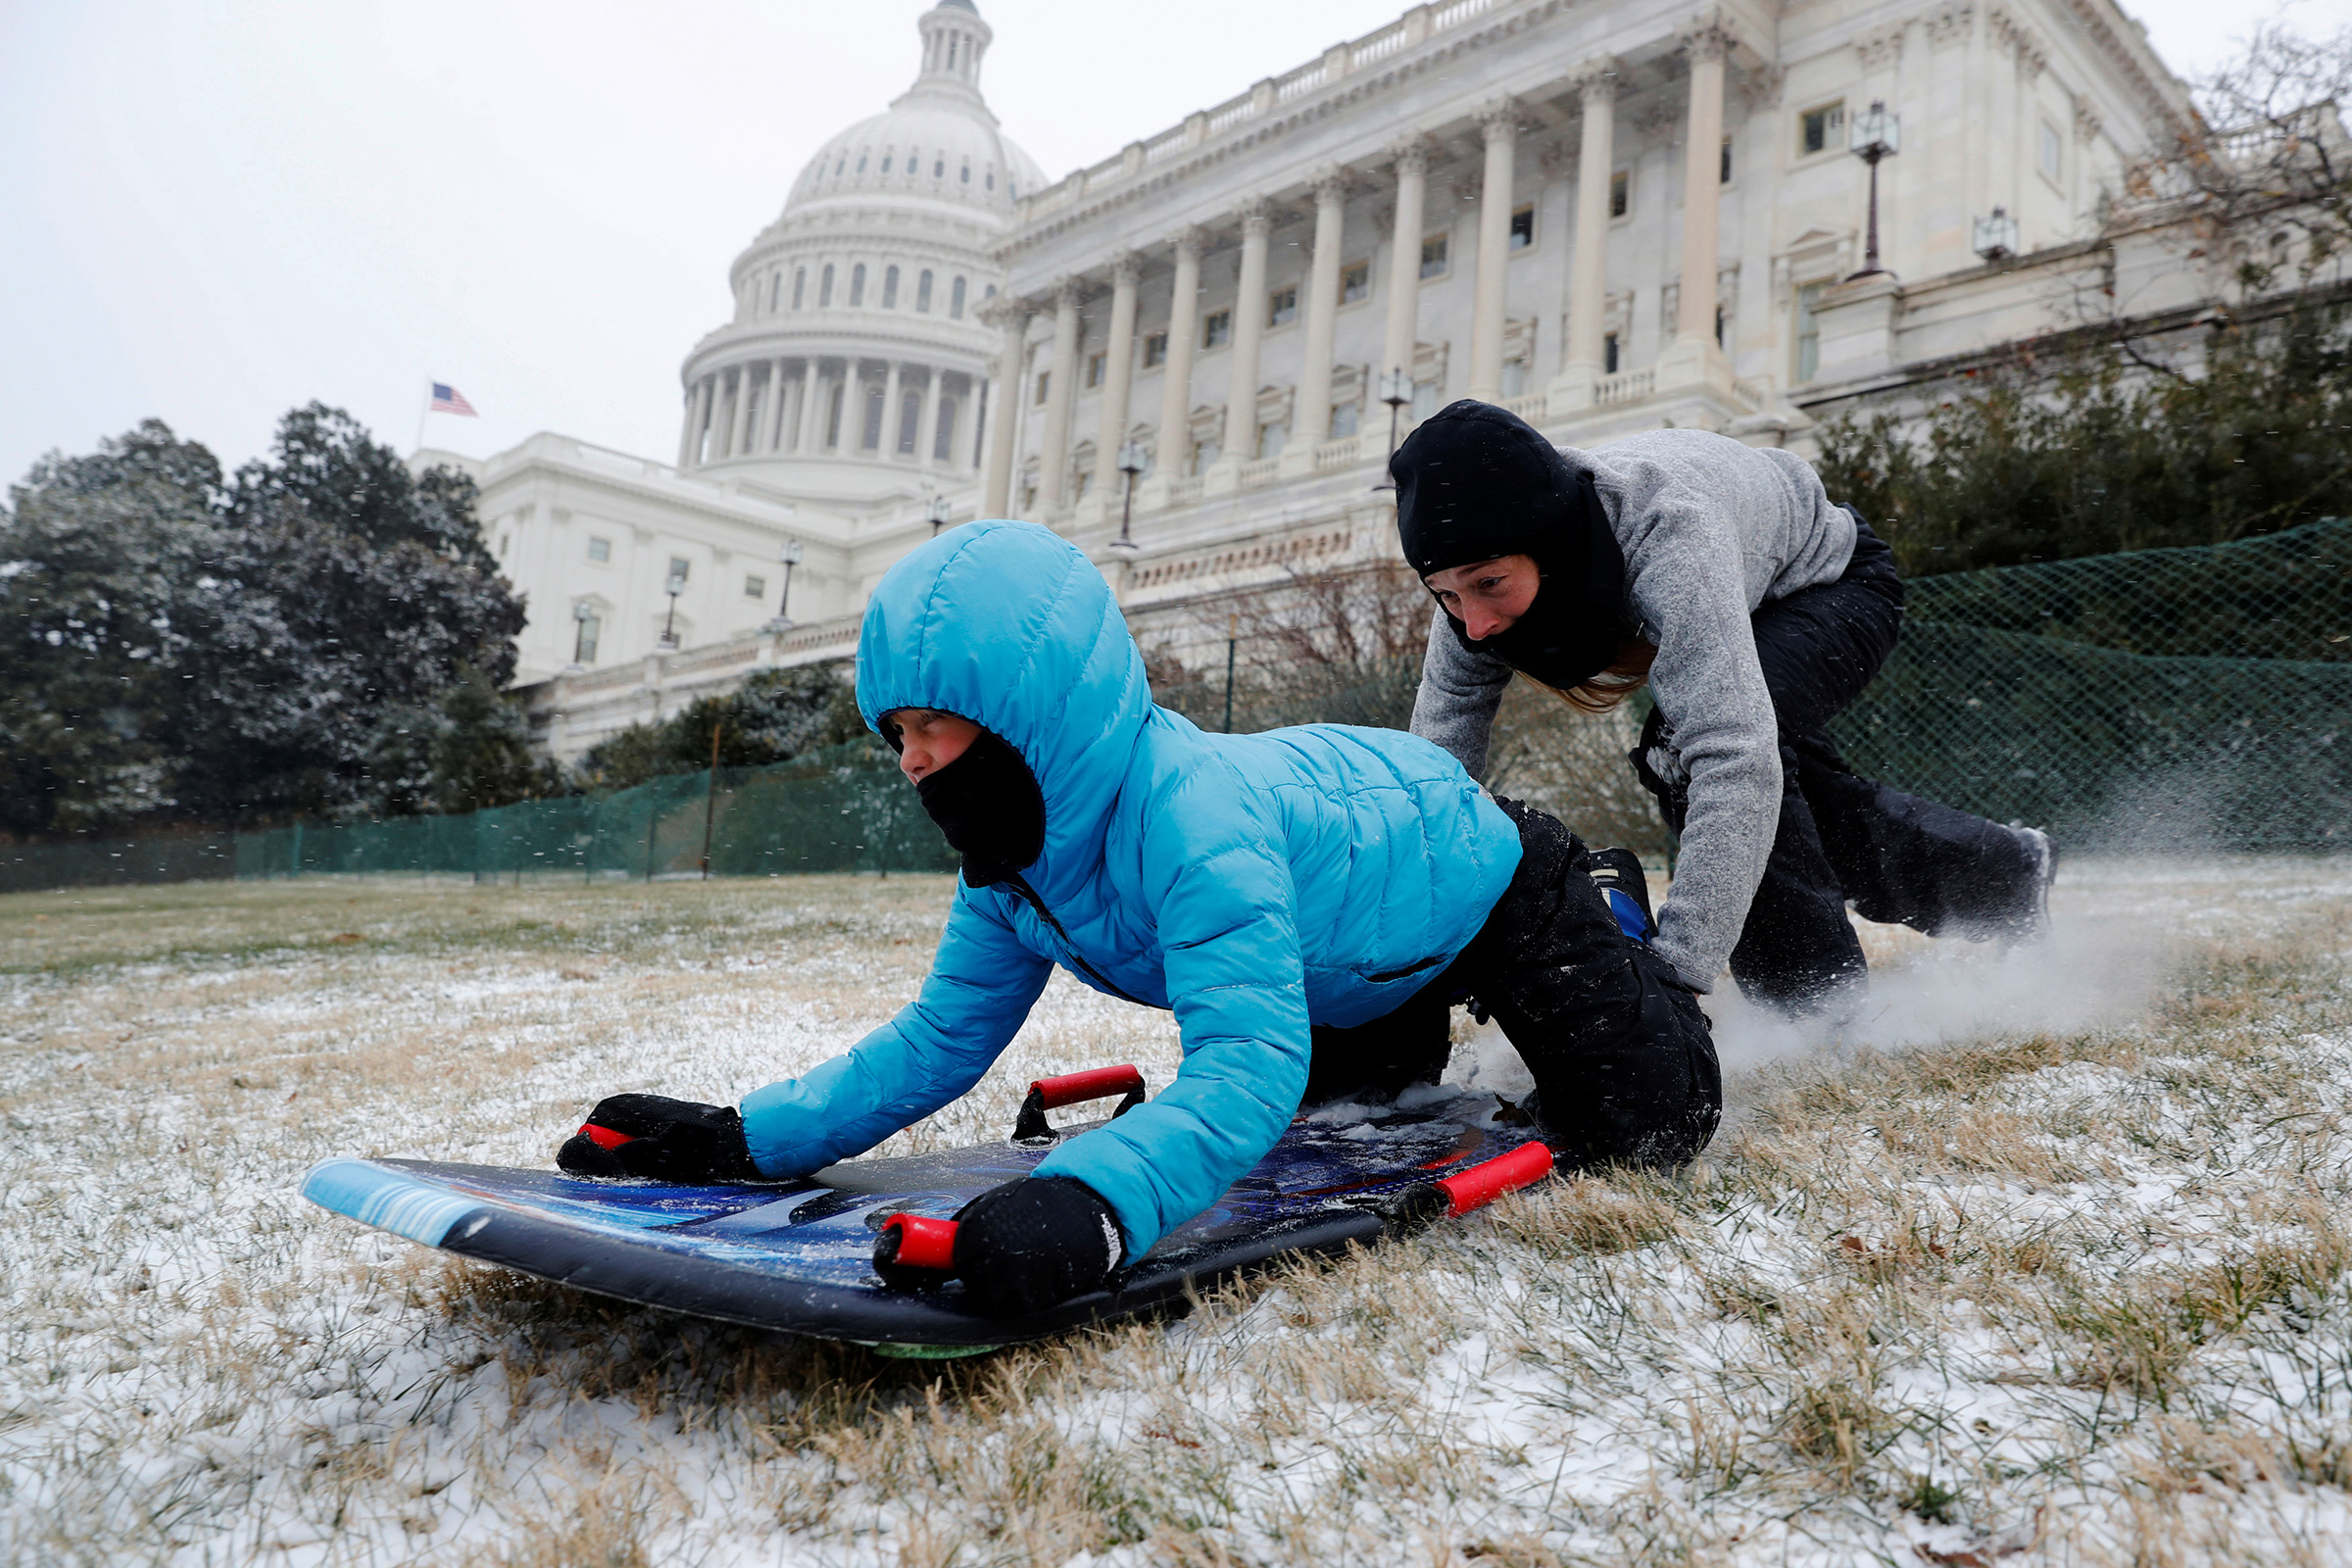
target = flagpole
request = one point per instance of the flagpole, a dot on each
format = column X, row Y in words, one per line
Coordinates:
column 424, row 413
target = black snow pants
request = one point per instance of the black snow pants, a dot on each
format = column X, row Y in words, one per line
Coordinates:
column 1900, row 858
column 1623, row 1062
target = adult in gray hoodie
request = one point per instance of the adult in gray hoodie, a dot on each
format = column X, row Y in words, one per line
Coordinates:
column 1756, row 610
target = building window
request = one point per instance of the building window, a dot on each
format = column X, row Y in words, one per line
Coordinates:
column 1155, row 349
column 824, row 289
column 1205, row 455
column 861, row 163
column 1719, row 326
column 1425, row 400
column 1356, row 282
column 599, row 550
column 1343, row 419
column 967, row 174
column 1621, row 193
column 1433, row 251
column 1045, row 382
column 1084, row 484
column 1217, row 329
column 858, row 286
column 890, row 288
column 992, row 179
column 922, row 292
column 2052, row 149
column 1523, row 230
column 869, row 433
column 1272, row 436
column 1514, row 377
column 910, row 422
column 505, row 543
column 754, row 587
column 1094, row 368
column 679, row 567
column 800, row 285
column 1818, row 128
column 943, row 444
column 776, row 290
column 1609, row 354
column 955, row 300
column 939, row 169
column 587, row 626
column 1722, row 174
column 1808, row 332
column 1282, row 305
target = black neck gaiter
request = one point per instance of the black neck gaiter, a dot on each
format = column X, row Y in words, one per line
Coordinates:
column 1475, row 482
column 988, row 804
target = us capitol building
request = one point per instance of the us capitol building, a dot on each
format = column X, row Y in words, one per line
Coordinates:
column 1609, row 217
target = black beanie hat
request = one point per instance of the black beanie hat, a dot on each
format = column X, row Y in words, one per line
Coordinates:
column 1474, row 482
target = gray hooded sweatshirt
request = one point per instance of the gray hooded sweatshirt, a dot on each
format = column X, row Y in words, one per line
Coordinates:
column 1711, row 529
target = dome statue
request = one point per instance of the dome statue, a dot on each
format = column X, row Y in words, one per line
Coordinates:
column 854, row 371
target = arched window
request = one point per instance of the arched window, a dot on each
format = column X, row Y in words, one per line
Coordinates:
column 939, row 169
column 955, row 300
column 885, row 163
column 800, row 285
column 967, row 174
column 857, row 285
column 890, row 288
column 922, row 291
column 775, row 289
column 824, row 289
column 861, row 163
column 842, row 167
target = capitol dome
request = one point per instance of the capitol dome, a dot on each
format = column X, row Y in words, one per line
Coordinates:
column 854, row 369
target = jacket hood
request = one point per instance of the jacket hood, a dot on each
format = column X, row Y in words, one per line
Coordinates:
column 1009, row 626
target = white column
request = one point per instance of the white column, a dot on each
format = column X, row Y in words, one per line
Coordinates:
column 1249, row 328
column 1054, row 452
column 688, row 428
column 927, row 433
column 1311, row 425
column 1012, row 317
column 771, row 415
column 1500, row 126
column 1176, row 383
column 739, row 411
column 704, row 398
column 805, row 442
column 1589, row 257
column 1119, row 376
column 1404, row 259
column 888, row 447
column 1702, row 187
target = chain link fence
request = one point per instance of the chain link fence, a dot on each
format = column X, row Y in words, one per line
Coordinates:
column 2186, row 698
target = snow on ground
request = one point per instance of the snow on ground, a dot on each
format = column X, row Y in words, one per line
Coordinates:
column 2043, row 1259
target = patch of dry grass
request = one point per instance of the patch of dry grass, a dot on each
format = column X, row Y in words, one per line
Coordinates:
column 2076, row 1295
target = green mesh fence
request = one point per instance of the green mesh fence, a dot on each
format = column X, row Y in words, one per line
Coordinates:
column 2155, row 698
column 2162, row 697
column 842, row 810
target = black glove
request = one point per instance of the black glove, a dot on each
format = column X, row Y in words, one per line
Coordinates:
column 668, row 1139
column 1034, row 1243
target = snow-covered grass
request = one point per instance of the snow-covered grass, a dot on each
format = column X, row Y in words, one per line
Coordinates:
column 2046, row 1261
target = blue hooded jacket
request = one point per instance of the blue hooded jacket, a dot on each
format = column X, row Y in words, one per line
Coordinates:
column 1251, row 883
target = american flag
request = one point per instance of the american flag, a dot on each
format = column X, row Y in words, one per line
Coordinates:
column 448, row 400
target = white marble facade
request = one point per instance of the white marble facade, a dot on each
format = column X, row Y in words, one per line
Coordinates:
column 1487, row 198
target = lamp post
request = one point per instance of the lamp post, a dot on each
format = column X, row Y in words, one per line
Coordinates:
column 1876, row 135
column 582, row 613
column 1997, row 236
column 936, row 514
column 670, row 622
column 1131, row 464
column 793, row 554
column 1395, row 390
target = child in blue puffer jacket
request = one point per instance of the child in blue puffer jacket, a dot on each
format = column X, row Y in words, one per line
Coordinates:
column 1308, row 901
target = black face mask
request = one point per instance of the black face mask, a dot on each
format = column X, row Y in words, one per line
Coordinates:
column 1476, row 482
column 988, row 804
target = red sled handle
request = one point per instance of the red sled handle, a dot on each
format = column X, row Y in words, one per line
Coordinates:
column 1071, row 1089
column 913, row 1241
column 1488, row 1180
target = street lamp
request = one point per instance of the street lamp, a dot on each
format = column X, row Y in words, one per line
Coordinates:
column 583, row 616
column 1395, row 390
column 936, row 514
column 1131, row 464
column 794, row 554
column 1997, row 236
column 670, row 623
column 1876, row 135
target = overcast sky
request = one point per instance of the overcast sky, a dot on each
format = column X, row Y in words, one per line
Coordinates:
column 214, row 209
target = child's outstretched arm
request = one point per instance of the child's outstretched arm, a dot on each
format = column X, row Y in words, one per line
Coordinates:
column 980, row 989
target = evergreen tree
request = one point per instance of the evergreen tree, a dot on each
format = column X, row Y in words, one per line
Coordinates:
column 773, row 716
column 466, row 749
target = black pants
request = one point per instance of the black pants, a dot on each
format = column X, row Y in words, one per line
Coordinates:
column 1624, row 1066
column 1900, row 858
